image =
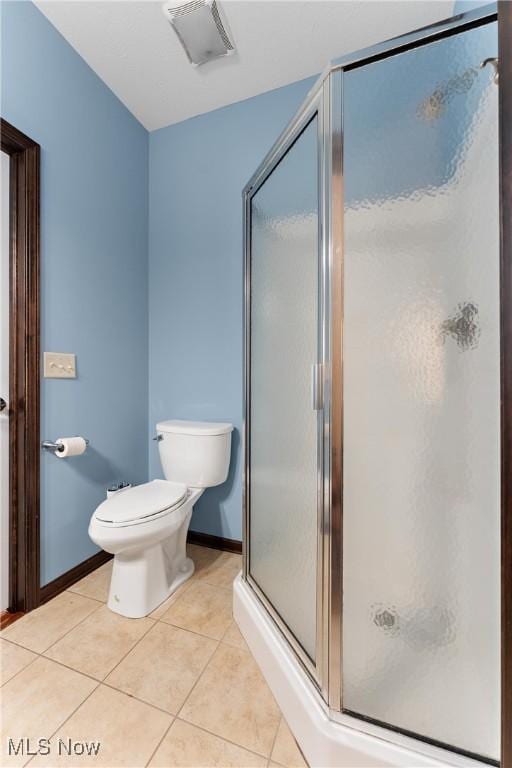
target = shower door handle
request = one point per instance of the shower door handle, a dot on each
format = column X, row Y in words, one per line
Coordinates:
column 317, row 386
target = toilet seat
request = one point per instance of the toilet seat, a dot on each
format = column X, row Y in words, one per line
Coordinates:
column 141, row 503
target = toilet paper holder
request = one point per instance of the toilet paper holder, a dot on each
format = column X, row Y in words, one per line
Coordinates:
column 54, row 448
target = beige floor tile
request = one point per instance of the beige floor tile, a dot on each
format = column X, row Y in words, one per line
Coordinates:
column 232, row 700
column 163, row 667
column 202, row 554
column 202, row 608
column 286, row 751
column 186, row 746
column 99, row 643
column 162, row 608
column 203, row 557
column 41, row 628
column 222, row 571
column 234, row 637
column 13, row 658
column 95, row 584
column 128, row 731
column 37, row 701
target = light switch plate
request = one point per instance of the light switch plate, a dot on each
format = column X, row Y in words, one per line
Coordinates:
column 59, row 365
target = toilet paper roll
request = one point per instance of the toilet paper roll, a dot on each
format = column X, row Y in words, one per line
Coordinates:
column 73, row 446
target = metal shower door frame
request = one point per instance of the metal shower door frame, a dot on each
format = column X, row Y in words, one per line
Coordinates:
column 334, row 506
column 312, row 107
column 417, row 39
column 326, row 97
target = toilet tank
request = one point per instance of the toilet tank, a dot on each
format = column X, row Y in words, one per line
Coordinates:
column 195, row 453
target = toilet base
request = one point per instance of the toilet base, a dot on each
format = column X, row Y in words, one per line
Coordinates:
column 140, row 584
column 142, row 578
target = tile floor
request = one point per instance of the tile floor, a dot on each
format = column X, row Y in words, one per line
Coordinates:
column 178, row 688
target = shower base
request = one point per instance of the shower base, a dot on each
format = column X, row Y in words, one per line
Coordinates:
column 328, row 739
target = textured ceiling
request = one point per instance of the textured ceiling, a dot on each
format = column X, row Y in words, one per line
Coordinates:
column 132, row 47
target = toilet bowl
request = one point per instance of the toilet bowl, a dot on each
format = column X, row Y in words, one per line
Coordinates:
column 145, row 527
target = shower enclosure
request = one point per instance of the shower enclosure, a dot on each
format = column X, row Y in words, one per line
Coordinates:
column 373, row 431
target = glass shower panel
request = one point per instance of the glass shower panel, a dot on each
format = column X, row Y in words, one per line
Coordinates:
column 283, row 345
column 421, row 569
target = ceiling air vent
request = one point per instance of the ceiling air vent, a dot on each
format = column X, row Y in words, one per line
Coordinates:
column 200, row 30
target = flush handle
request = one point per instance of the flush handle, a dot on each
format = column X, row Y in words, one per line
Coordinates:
column 158, row 438
column 317, row 386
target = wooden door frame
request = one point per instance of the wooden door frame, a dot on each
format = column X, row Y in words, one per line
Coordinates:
column 24, row 369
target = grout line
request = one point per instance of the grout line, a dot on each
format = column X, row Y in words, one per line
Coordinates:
column 192, row 631
column 294, row 740
column 71, row 669
column 174, row 717
column 54, row 661
column 227, row 630
column 153, row 623
column 161, row 740
column 73, row 589
column 69, row 717
column 275, row 737
column 223, row 738
column 41, row 653
column 23, row 668
column 199, row 678
column 88, row 597
column 182, row 589
column 173, row 626
column 137, row 698
column 182, row 719
column 45, row 650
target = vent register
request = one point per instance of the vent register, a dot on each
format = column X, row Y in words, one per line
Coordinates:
column 200, row 30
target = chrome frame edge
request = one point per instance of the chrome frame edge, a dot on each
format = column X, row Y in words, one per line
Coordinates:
column 313, row 106
column 419, row 36
column 394, row 44
column 333, row 259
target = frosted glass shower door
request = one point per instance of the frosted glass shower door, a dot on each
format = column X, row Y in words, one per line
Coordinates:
column 421, row 350
column 283, row 468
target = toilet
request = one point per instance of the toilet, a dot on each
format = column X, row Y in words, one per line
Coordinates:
column 145, row 527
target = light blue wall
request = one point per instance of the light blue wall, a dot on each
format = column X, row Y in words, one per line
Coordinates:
column 94, row 272
column 198, row 169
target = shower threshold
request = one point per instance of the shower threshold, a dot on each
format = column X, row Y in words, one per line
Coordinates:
column 327, row 738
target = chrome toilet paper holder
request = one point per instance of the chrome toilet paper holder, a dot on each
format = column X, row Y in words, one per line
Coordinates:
column 54, row 448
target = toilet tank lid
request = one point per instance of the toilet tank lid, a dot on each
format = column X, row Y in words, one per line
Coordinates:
column 180, row 427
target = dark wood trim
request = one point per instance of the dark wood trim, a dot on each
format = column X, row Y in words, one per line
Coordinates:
column 66, row 580
column 24, row 375
column 505, row 126
column 215, row 542
column 7, row 617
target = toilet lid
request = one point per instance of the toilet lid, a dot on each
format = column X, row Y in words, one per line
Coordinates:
column 141, row 501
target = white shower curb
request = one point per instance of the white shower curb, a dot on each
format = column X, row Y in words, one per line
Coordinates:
column 324, row 742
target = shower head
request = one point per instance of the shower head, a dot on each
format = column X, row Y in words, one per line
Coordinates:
column 200, row 29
